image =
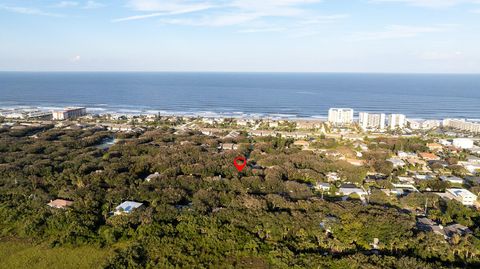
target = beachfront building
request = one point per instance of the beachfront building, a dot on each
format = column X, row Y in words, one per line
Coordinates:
column 463, row 196
column 397, row 121
column 69, row 113
column 430, row 124
column 340, row 116
column 461, row 124
column 371, row 121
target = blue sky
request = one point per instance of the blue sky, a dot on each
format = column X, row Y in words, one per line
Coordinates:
column 404, row 36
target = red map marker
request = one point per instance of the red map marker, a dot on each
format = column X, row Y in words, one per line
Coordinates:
column 242, row 165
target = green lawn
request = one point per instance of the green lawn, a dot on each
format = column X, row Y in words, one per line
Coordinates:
column 17, row 254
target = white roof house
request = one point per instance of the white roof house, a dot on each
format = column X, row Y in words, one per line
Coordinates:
column 404, row 155
column 333, row 176
column 322, row 186
column 405, row 187
column 409, row 180
column 152, row 176
column 452, row 179
column 127, row 207
column 348, row 189
column 396, row 162
column 463, row 196
column 463, row 143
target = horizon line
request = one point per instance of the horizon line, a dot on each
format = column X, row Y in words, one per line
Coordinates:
column 244, row 72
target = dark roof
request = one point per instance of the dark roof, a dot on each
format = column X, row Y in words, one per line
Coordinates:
column 459, row 229
column 348, row 186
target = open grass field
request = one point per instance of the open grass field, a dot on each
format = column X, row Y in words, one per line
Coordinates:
column 19, row 255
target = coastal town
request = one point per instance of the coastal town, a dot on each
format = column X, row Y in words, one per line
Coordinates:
column 423, row 168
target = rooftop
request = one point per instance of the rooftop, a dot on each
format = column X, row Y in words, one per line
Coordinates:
column 60, row 203
column 128, row 206
column 460, row 192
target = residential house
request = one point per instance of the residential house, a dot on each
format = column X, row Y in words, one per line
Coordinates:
column 408, row 180
column 309, row 124
column 397, row 163
column 445, row 142
column 422, row 176
column 322, row 186
column 372, row 177
column 405, row 187
column 332, row 177
column 427, row 225
column 463, row 196
column 273, row 124
column 335, row 155
column 60, row 203
column 473, row 179
column 302, row 143
column 228, row 146
column 242, row 122
column 434, row 146
column 452, row 179
column 362, row 146
column 355, row 162
column 470, row 166
column 406, row 155
column 127, row 207
column 429, row 156
column 458, row 229
column 233, row 134
column 152, row 176
column 417, row 162
column 348, row 189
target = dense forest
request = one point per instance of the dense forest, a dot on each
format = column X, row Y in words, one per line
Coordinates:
column 200, row 212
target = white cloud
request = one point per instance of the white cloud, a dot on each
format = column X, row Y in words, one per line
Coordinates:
column 441, row 56
column 92, row 5
column 228, row 19
column 398, row 32
column 262, row 30
column 66, row 4
column 167, row 6
column 179, row 11
column 227, row 12
column 28, row 11
column 251, row 16
column 431, row 3
column 76, row 58
column 162, row 8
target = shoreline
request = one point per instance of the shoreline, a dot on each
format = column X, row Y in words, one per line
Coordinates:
column 139, row 111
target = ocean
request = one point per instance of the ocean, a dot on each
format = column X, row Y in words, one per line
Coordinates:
column 279, row 95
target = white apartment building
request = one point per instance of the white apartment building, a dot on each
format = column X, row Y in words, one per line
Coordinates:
column 340, row 116
column 69, row 113
column 430, row 124
column 368, row 121
column 396, row 121
column 462, row 125
column 463, row 196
